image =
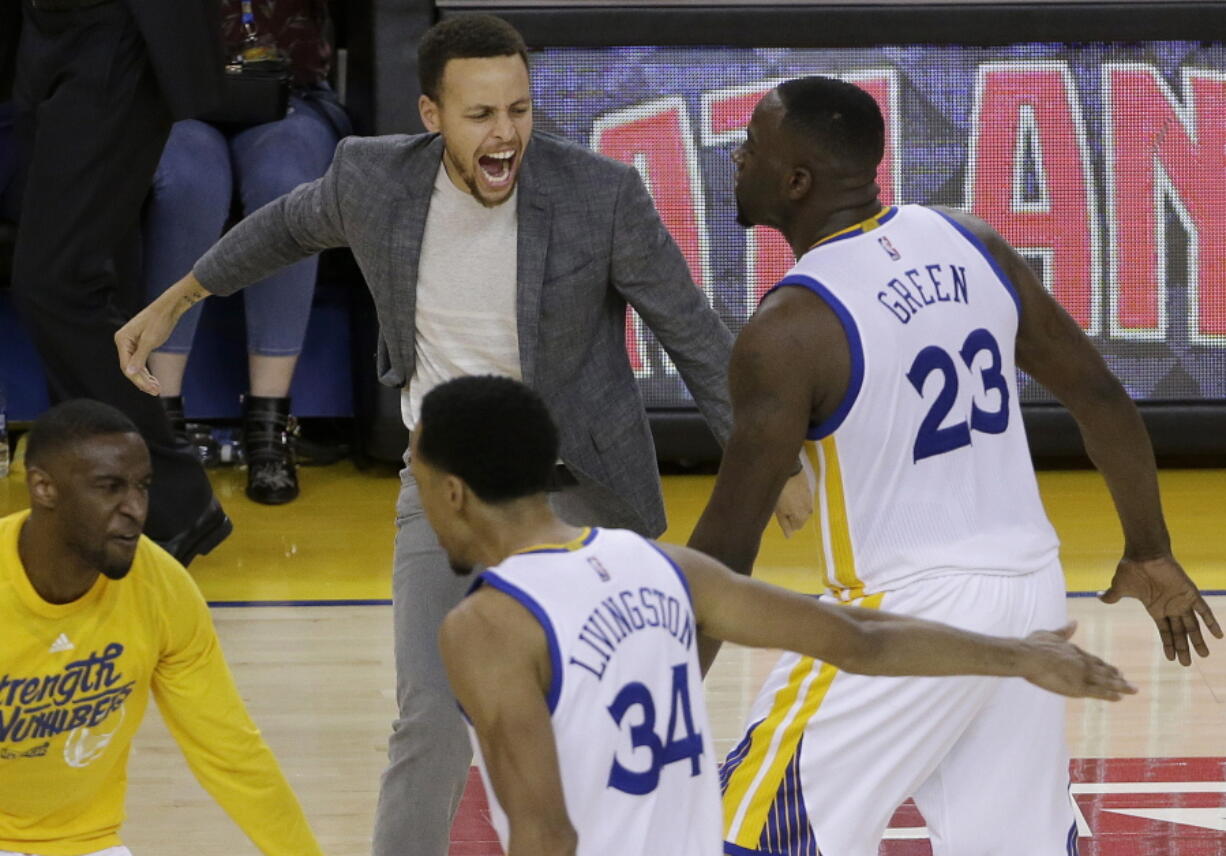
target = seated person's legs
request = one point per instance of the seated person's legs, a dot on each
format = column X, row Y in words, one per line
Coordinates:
column 187, row 211
column 271, row 160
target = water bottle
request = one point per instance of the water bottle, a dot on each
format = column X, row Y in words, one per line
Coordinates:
column 4, row 435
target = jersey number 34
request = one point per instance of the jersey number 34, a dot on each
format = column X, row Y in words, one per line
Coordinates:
column 643, row 735
column 933, row 439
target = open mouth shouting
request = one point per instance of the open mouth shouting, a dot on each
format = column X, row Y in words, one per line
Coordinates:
column 497, row 169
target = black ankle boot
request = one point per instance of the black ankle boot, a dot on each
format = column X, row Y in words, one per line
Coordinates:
column 173, row 405
column 271, row 476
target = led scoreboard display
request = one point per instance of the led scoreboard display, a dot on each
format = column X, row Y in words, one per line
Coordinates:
column 1104, row 164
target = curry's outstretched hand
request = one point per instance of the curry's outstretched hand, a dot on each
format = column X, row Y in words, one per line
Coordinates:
column 152, row 326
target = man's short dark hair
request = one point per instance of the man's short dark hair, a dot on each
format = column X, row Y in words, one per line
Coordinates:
column 839, row 117
column 70, row 423
column 494, row 433
column 464, row 37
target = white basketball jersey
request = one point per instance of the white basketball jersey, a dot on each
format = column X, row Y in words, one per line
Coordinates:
column 923, row 469
column 634, row 745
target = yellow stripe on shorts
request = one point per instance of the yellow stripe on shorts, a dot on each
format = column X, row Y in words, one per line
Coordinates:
column 773, row 743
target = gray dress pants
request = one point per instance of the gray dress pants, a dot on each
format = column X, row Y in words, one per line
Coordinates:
column 428, row 751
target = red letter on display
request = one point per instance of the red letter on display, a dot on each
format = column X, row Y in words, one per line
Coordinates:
column 656, row 138
column 725, row 115
column 1160, row 151
column 1029, row 175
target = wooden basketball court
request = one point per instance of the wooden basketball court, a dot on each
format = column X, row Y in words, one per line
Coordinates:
column 300, row 595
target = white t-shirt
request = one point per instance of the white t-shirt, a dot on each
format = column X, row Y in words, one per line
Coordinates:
column 466, row 320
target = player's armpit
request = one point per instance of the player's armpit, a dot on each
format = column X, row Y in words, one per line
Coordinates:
column 497, row 661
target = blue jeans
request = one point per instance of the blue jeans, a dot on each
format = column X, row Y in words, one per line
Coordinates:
column 201, row 169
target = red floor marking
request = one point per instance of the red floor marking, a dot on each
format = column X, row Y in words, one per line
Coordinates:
column 1161, row 785
column 471, row 832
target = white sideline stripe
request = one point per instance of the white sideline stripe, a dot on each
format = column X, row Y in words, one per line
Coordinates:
column 1149, row 788
column 906, row 833
column 1083, row 825
column 916, row 833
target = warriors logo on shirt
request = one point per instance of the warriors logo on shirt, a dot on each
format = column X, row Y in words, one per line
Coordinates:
column 86, row 745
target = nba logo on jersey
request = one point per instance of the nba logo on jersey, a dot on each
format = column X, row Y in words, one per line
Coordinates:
column 889, row 248
column 598, row 568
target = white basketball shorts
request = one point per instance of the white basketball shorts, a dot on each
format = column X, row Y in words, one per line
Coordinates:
column 828, row 756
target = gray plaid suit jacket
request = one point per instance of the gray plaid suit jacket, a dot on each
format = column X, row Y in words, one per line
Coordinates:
column 589, row 242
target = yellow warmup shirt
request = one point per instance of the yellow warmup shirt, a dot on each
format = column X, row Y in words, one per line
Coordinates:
column 74, row 682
